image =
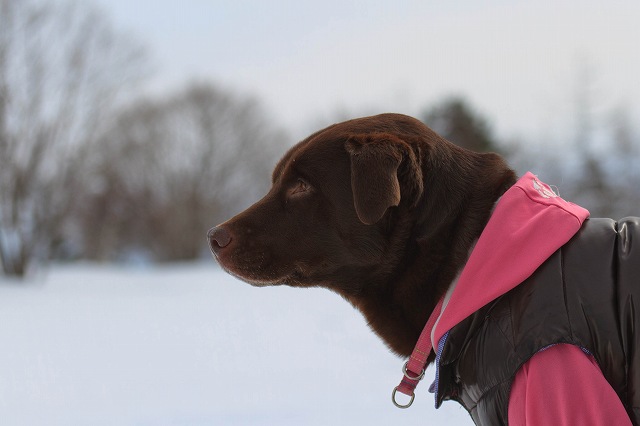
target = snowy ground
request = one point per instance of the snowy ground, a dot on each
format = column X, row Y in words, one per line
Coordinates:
column 189, row 345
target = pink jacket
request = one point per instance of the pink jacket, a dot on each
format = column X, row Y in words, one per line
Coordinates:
column 560, row 385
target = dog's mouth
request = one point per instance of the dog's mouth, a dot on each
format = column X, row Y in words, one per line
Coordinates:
column 254, row 264
column 256, row 282
column 294, row 279
column 260, row 274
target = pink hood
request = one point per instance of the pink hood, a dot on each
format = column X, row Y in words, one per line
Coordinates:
column 529, row 224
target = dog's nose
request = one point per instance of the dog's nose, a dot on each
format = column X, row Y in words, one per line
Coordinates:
column 219, row 238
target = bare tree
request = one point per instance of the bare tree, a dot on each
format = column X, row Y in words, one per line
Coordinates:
column 173, row 168
column 62, row 68
column 600, row 181
column 598, row 167
column 620, row 166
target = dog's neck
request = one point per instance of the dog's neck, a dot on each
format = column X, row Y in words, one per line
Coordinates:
column 448, row 225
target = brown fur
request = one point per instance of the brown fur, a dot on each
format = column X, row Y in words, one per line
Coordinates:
column 380, row 209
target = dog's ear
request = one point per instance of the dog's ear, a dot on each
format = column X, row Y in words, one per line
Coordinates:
column 384, row 170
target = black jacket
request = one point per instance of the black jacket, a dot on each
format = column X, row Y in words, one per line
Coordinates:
column 584, row 294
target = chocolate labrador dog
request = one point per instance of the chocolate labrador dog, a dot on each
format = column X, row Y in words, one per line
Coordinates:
column 381, row 210
column 385, row 212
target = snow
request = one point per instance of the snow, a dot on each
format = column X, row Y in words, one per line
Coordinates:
column 187, row 344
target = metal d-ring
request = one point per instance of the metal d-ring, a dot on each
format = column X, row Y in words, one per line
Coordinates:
column 416, row 378
column 393, row 398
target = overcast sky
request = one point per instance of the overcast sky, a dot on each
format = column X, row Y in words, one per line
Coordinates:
column 519, row 62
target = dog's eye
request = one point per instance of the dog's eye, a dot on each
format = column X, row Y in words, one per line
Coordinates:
column 301, row 187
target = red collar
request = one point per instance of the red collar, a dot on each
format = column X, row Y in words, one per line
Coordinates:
column 418, row 360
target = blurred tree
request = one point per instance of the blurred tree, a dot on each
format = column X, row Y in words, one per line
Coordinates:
column 591, row 181
column 171, row 169
column 458, row 122
column 607, row 178
column 62, row 68
column 596, row 164
column 607, row 150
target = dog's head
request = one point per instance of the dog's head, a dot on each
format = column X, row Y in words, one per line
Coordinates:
column 380, row 209
column 331, row 214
